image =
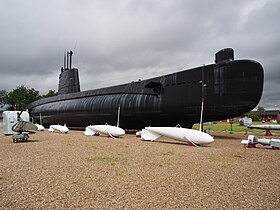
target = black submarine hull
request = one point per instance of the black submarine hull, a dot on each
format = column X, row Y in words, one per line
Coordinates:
column 229, row 88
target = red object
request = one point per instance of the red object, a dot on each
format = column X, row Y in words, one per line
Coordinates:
column 190, row 144
column 251, row 146
column 268, row 133
column 271, row 115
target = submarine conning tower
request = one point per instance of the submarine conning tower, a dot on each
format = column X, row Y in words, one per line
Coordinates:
column 69, row 77
column 224, row 56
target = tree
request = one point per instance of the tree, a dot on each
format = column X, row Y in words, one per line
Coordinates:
column 261, row 111
column 19, row 98
column 50, row 94
column 254, row 115
column 3, row 95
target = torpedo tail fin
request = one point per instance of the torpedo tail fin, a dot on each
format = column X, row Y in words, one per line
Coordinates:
column 89, row 132
column 149, row 135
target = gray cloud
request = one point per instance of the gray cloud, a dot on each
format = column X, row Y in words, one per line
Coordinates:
column 121, row 41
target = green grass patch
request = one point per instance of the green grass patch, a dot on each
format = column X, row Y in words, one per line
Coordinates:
column 167, row 153
column 119, row 173
column 225, row 126
column 109, row 160
column 220, row 159
column 221, row 126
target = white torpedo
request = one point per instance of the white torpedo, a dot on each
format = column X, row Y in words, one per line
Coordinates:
column 110, row 130
column 194, row 137
column 40, row 127
column 58, row 128
column 265, row 127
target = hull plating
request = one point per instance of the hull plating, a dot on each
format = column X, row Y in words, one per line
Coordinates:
column 231, row 89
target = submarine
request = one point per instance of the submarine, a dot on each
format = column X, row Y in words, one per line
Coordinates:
column 228, row 88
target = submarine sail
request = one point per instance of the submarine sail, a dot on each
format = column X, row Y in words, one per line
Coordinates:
column 229, row 87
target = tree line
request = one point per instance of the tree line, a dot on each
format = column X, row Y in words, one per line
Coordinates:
column 20, row 97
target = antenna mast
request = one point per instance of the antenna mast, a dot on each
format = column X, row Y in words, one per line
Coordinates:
column 119, row 111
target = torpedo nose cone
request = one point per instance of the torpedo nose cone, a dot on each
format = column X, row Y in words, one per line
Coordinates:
column 121, row 132
column 208, row 139
column 211, row 139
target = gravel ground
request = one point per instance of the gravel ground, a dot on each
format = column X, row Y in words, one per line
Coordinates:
column 73, row 171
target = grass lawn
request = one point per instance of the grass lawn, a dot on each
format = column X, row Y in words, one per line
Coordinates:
column 224, row 126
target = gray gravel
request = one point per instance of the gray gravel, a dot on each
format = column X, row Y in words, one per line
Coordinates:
column 73, row 171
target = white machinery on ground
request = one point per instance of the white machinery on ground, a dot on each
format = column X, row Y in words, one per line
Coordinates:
column 110, row 130
column 17, row 123
column 58, row 128
column 253, row 140
column 39, row 127
column 10, row 118
column 266, row 127
column 191, row 136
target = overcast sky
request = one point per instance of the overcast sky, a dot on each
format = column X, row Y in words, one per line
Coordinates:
column 125, row 40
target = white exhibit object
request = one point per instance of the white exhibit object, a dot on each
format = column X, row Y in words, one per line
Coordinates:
column 10, row 118
column 264, row 141
column 40, row 127
column 89, row 132
column 194, row 137
column 58, row 128
column 138, row 134
column 253, row 140
column 275, row 143
column 244, row 142
column 246, row 121
column 110, row 130
column 265, row 127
